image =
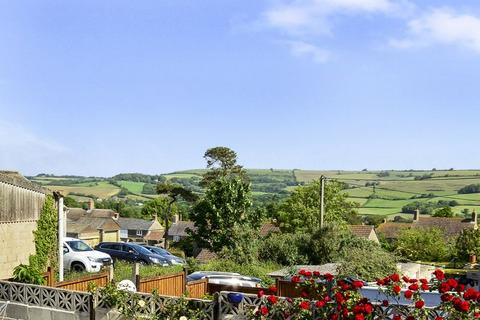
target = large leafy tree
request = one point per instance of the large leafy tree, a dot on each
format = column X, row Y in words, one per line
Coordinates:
column 221, row 162
column 301, row 210
column 223, row 217
column 173, row 193
column 159, row 207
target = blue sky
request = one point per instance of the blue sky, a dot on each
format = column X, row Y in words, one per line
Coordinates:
column 102, row 87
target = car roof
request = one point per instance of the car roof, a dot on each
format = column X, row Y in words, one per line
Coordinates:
column 71, row 239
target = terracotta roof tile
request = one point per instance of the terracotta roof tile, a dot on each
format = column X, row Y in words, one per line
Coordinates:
column 268, row 228
column 362, row 231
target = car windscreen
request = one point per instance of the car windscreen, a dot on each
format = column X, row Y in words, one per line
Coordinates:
column 79, row 246
column 140, row 249
column 159, row 251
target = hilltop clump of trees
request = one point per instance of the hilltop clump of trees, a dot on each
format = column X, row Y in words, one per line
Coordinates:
column 471, row 188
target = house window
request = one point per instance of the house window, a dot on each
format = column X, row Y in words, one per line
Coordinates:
column 139, row 233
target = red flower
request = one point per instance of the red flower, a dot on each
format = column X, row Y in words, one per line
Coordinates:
column 260, row 293
column 308, row 274
column 263, row 310
column 397, row 317
column 408, row 294
column 396, row 289
column 334, row 316
column 444, row 287
column 385, row 303
column 272, row 299
column 446, row 297
column 316, row 273
column 395, row 277
column 320, row 304
column 425, row 286
column 272, row 289
column 357, row 284
column 305, row 305
column 328, row 276
column 295, row 279
column 470, row 294
column 439, row 274
column 359, row 316
column 419, row 304
column 452, row 282
column 439, row 318
column 368, row 308
column 413, row 287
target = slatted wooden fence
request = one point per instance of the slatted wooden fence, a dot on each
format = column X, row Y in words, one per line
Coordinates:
column 169, row 285
column 80, row 284
column 197, row 289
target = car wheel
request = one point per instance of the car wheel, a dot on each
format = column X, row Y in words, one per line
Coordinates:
column 78, row 267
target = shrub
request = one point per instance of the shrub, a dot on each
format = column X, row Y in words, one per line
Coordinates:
column 283, row 249
column 425, row 245
column 27, row 274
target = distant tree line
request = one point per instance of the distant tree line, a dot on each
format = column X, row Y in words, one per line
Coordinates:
column 139, row 177
column 427, row 207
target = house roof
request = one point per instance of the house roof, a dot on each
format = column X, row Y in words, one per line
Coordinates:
column 88, row 224
column 180, row 228
column 83, row 221
column 75, row 213
column 134, row 224
column 362, row 231
column 206, row 255
column 391, row 230
column 268, row 228
column 156, row 235
column 452, row 227
column 16, row 179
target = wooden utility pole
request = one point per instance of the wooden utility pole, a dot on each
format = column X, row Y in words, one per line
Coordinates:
column 322, row 199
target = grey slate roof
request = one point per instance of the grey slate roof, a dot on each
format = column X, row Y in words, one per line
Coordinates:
column 180, row 228
column 134, row 224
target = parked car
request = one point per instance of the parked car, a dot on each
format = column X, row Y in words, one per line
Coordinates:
column 174, row 260
column 225, row 278
column 131, row 252
column 79, row 256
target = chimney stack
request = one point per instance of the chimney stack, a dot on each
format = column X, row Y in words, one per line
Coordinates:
column 91, row 204
column 416, row 215
column 175, row 218
column 474, row 217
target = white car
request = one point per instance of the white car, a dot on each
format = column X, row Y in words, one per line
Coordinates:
column 79, row 256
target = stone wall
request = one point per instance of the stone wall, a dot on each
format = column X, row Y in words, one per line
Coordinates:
column 16, row 245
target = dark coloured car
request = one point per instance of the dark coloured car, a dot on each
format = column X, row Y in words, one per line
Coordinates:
column 164, row 253
column 131, row 252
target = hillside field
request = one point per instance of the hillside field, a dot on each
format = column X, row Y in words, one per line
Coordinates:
column 392, row 190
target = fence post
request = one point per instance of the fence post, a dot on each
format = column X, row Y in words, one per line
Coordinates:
column 51, row 277
column 216, row 308
column 136, row 275
column 92, row 304
column 185, row 286
column 110, row 273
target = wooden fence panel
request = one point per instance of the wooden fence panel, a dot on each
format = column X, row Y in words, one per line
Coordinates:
column 287, row 289
column 197, row 289
column 170, row 285
column 81, row 284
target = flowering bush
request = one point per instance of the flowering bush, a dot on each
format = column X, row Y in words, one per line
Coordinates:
column 324, row 297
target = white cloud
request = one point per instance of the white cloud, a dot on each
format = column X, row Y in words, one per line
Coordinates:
column 305, row 49
column 442, row 26
column 305, row 20
column 312, row 16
